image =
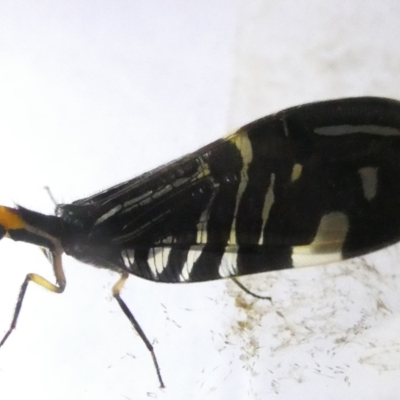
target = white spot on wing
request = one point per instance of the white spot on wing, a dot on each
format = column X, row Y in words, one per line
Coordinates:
column 108, row 214
column 338, row 130
column 158, row 259
column 242, row 142
column 127, row 257
column 228, row 265
column 137, row 200
column 369, row 180
column 296, row 172
column 193, row 254
column 328, row 242
column 269, row 200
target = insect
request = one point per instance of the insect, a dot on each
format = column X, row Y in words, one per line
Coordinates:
column 311, row 184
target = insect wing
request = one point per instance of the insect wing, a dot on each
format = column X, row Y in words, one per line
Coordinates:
column 311, row 184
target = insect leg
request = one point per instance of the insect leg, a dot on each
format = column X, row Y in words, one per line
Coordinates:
column 244, row 288
column 56, row 288
column 116, row 293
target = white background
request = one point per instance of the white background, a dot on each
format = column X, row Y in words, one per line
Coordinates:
column 93, row 93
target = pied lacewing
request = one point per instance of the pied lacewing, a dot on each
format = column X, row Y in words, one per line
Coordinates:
column 311, row 184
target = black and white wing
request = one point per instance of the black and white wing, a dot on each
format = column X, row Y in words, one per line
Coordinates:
column 312, row 184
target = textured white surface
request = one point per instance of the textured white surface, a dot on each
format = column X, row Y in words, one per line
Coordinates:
column 95, row 92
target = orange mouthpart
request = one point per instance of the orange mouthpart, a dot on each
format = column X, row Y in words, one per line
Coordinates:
column 10, row 219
